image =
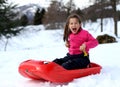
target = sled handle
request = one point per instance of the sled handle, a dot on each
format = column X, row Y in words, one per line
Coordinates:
column 85, row 53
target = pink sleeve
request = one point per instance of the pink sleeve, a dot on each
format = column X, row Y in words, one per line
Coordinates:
column 91, row 42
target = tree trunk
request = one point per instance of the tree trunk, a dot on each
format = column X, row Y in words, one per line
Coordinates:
column 113, row 2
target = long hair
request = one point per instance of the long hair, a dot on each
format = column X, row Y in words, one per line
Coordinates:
column 67, row 31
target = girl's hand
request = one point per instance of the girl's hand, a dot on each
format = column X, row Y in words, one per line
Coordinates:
column 82, row 47
column 67, row 44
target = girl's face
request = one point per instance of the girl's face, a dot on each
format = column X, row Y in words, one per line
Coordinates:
column 74, row 25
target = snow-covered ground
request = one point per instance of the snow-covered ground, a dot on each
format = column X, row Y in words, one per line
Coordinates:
column 43, row 44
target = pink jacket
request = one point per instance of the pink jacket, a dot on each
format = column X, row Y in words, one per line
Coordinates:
column 76, row 40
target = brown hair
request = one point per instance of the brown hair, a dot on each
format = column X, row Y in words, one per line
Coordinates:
column 66, row 29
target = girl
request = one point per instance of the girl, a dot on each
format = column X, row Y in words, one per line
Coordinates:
column 79, row 42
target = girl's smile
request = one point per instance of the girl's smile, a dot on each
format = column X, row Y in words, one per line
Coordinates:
column 74, row 29
column 74, row 25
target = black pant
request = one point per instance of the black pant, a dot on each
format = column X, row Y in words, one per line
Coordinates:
column 73, row 61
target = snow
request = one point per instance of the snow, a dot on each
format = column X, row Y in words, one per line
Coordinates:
column 40, row 44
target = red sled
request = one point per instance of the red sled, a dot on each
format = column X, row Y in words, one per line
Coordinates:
column 53, row 72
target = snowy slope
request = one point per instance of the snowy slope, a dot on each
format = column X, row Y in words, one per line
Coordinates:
column 43, row 44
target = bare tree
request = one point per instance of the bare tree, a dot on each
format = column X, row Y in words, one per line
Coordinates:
column 55, row 14
column 100, row 7
column 100, row 3
column 70, row 6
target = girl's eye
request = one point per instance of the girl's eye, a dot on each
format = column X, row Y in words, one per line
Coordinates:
column 76, row 23
column 73, row 23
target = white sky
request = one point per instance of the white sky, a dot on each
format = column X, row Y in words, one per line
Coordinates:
column 44, row 3
column 24, row 2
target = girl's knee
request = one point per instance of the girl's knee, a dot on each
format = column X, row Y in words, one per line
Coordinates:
column 68, row 65
column 58, row 61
